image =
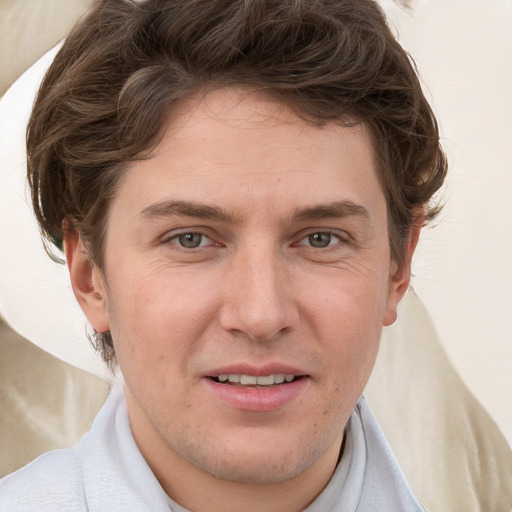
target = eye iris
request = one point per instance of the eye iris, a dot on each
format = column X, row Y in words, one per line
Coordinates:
column 190, row 240
column 319, row 239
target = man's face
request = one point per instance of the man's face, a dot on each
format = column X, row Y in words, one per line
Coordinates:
column 247, row 279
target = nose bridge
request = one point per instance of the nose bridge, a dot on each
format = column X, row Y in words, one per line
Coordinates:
column 258, row 301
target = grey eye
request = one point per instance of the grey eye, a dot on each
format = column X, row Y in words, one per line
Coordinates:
column 190, row 240
column 319, row 239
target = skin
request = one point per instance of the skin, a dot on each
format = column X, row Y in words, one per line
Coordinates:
column 259, row 291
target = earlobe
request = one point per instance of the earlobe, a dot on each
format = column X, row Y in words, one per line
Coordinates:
column 400, row 275
column 86, row 280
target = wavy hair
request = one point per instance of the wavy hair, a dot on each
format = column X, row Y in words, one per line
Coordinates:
column 106, row 96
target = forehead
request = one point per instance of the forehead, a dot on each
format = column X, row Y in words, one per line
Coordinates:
column 255, row 113
column 238, row 147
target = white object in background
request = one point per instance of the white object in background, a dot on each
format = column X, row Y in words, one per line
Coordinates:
column 463, row 267
column 36, row 296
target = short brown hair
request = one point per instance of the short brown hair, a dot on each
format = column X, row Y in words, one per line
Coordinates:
column 108, row 91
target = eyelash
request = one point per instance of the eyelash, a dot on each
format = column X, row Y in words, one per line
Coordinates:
column 174, row 239
column 328, row 234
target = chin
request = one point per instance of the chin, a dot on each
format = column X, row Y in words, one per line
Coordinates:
column 261, row 460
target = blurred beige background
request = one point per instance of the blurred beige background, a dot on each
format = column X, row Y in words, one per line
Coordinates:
column 463, row 267
column 462, row 272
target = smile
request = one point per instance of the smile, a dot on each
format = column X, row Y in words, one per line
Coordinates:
column 253, row 380
column 264, row 392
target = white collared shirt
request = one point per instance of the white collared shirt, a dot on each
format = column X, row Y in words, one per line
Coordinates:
column 106, row 472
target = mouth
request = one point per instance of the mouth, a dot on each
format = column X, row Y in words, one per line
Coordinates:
column 250, row 389
column 253, row 381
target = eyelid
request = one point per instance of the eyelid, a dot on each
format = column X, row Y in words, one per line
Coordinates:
column 171, row 236
column 342, row 236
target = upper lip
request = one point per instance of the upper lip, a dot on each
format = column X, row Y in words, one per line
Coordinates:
column 257, row 371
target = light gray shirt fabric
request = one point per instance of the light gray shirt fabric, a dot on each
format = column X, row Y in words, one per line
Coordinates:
column 106, row 472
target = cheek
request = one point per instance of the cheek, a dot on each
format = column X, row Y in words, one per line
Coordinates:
column 350, row 302
column 347, row 315
column 156, row 321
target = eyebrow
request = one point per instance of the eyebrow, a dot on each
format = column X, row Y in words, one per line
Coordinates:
column 189, row 209
column 336, row 210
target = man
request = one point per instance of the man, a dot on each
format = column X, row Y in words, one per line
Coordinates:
column 239, row 189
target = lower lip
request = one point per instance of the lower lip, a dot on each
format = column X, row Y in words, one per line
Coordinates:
column 261, row 399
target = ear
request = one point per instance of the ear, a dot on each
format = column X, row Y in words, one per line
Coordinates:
column 400, row 276
column 87, row 281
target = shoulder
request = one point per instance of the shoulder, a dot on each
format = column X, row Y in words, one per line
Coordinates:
column 51, row 482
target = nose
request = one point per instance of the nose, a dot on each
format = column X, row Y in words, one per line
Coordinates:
column 258, row 299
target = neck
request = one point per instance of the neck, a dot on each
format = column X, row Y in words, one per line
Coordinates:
column 252, row 483
column 181, row 481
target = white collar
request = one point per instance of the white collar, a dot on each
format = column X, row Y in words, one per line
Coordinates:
column 367, row 478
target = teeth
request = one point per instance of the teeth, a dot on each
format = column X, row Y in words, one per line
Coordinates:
column 252, row 380
column 248, row 380
column 265, row 381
